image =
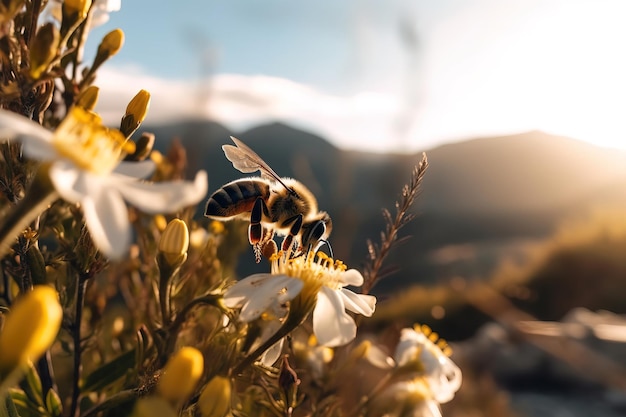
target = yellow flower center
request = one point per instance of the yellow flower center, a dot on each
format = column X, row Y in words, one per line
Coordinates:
column 83, row 139
column 435, row 339
column 316, row 270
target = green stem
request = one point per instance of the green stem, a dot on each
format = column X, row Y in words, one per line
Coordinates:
column 80, row 301
column 114, row 401
column 166, row 275
column 39, row 196
column 180, row 319
column 299, row 310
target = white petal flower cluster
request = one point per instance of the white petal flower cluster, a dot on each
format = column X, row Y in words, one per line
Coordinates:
column 86, row 169
column 442, row 375
column 428, row 376
column 324, row 279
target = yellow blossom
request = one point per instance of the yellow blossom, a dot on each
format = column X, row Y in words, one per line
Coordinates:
column 181, row 374
column 30, row 327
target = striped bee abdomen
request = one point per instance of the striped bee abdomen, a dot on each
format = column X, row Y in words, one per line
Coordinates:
column 236, row 197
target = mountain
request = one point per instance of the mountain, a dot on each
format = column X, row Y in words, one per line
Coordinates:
column 528, row 172
column 479, row 196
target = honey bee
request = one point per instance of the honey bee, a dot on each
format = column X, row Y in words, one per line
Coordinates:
column 272, row 204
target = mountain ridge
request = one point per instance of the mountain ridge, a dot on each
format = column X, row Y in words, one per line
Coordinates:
column 512, row 187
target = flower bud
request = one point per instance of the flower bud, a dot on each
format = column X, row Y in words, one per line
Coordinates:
column 88, row 98
column 135, row 113
column 143, row 147
column 181, row 374
column 79, row 7
column 73, row 12
column 43, row 49
column 214, row 400
column 30, row 328
column 110, row 45
column 174, row 242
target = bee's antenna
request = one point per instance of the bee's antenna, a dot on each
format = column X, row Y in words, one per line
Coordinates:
column 330, row 249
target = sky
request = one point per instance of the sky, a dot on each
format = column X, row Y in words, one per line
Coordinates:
column 376, row 75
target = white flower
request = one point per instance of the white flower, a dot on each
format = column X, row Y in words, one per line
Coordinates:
column 322, row 280
column 418, row 346
column 86, row 169
column 410, row 398
column 315, row 356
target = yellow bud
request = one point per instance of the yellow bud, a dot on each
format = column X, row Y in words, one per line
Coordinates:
column 216, row 227
column 174, row 241
column 73, row 13
column 79, row 7
column 30, row 328
column 135, row 113
column 160, row 222
column 214, row 400
column 110, row 45
column 143, row 147
column 181, row 374
column 43, row 49
column 138, row 106
column 88, row 98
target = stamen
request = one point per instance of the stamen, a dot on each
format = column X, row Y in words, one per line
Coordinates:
column 434, row 337
column 83, row 139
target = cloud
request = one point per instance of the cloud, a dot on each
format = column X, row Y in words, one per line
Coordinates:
column 360, row 121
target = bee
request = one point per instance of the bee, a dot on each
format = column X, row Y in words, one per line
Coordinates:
column 273, row 205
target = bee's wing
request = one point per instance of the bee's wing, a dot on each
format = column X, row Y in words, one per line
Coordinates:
column 246, row 160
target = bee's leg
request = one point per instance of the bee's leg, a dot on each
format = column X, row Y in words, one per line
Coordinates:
column 269, row 248
column 312, row 237
column 255, row 229
column 256, row 235
column 288, row 242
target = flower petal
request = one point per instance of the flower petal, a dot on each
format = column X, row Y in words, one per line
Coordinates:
column 15, row 126
column 359, row 303
column 236, row 295
column 106, row 217
column 164, row 197
column 71, row 183
column 407, row 347
column 331, row 324
column 446, row 381
column 141, row 169
column 258, row 292
column 271, row 355
column 36, row 141
column 352, row 277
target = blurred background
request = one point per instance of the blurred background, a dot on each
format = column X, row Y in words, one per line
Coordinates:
column 518, row 251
